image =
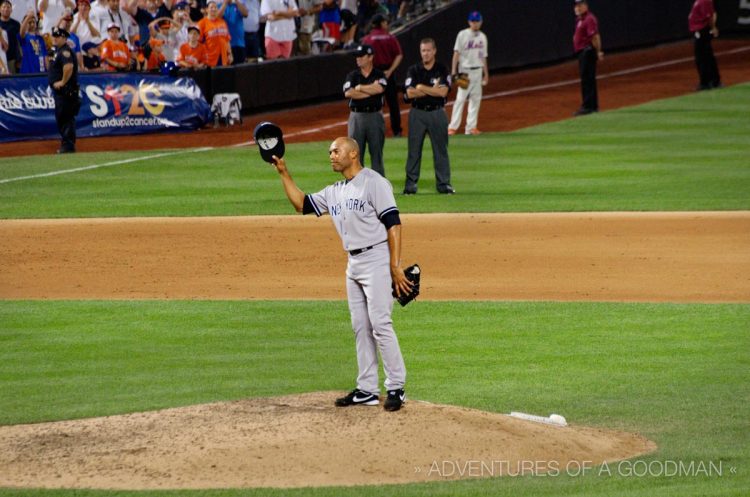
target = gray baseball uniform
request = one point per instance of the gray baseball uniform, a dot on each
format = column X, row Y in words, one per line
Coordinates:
column 356, row 208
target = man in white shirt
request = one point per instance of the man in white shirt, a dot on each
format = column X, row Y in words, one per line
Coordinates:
column 114, row 14
column 280, row 28
column 84, row 24
column 21, row 8
column 470, row 57
column 51, row 11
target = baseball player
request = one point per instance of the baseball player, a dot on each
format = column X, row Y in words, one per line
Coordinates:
column 470, row 57
column 364, row 212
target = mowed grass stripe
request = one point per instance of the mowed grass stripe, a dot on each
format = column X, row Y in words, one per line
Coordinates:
column 677, row 374
column 685, row 153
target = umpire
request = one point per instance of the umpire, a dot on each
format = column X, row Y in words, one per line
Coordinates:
column 63, row 79
column 427, row 87
column 364, row 88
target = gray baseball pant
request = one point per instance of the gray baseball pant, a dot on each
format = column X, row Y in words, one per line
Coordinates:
column 368, row 128
column 368, row 288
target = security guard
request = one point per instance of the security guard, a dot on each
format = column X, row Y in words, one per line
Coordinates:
column 63, row 79
column 364, row 88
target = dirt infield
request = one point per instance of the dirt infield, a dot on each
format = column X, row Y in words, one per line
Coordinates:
column 520, row 99
column 297, row 441
column 657, row 257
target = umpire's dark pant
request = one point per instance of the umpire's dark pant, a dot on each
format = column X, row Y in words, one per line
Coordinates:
column 587, row 71
column 391, row 98
column 66, row 110
column 705, row 62
column 422, row 123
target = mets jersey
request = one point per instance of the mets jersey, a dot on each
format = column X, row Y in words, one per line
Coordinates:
column 472, row 49
column 357, row 207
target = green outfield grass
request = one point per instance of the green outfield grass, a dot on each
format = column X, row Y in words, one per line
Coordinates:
column 678, row 374
column 687, row 153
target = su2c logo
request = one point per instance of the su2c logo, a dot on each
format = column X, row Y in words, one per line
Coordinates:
column 125, row 99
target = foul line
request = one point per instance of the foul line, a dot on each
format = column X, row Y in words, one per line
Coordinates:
column 527, row 89
column 106, row 164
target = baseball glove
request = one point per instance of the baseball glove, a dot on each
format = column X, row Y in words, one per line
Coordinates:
column 413, row 274
column 461, row 80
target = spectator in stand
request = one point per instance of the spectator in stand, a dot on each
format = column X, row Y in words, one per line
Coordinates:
column 280, row 27
column 137, row 58
column 162, row 29
column 215, row 35
column 114, row 14
column 33, row 48
column 21, row 8
column 65, row 22
column 308, row 10
column 180, row 22
column 388, row 56
column 348, row 28
column 12, row 29
column 115, row 55
column 51, row 11
column 197, row 9
column 251, row 27
column 91, row 61
column 98, row 9
column 3, row 48
column 234, row 11
column 84, row 26
column 155, row 9
column 330, row 21
column 156, row 56
column 366, row 10
column 193, row 53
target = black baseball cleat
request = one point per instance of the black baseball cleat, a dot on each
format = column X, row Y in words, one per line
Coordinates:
column 358, row 398
column 409, row 191
column 447, row 190
column 395, row 400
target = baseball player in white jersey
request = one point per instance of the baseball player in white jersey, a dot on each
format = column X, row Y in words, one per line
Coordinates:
column 364, row 212
column 470, row 57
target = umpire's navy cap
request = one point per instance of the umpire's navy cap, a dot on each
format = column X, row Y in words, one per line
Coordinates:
column 270, row 140
column 364, row 50
column 60, row 32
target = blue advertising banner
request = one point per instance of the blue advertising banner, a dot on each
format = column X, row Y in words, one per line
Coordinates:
column 112, row 104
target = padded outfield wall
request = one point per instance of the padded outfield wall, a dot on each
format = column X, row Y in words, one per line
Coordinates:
column 520, row 33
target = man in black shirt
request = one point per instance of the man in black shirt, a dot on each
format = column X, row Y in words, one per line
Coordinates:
column 63, row 79
column 364, row 88
column 427, row 86
column 12, row 28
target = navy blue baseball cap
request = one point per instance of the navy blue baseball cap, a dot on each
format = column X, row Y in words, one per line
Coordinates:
column 270, row 140
column 475, row 16
column 364, row 49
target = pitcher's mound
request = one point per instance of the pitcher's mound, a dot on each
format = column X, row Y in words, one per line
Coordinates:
column 295, row 441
